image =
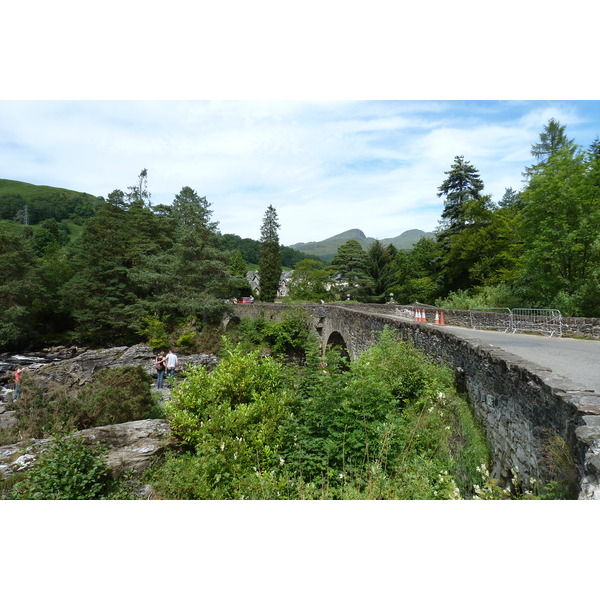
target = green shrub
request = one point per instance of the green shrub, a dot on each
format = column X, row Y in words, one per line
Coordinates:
column 389, row 426
column 68, row 470
column 288, row 337
column 116, row 395
column 156, row 331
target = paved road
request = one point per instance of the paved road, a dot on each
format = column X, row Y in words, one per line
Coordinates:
column 577, row 360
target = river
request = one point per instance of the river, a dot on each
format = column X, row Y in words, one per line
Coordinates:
column 8, row 364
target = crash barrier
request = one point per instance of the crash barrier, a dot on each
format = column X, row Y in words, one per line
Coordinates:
column 540, row 320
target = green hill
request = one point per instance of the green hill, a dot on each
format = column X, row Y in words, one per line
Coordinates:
column 328, row 248
column 44, row 202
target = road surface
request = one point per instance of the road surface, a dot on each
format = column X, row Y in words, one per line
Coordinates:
column 576, row 360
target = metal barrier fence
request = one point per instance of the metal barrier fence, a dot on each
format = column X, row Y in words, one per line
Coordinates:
column 541, row 320
column 544, row 320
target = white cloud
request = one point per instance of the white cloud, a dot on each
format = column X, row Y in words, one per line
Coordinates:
column 324, row 166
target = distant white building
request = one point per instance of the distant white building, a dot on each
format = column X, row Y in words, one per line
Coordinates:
column 253, row 278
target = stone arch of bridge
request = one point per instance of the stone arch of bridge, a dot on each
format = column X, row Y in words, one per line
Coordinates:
column 230, row 322
column 336, row 340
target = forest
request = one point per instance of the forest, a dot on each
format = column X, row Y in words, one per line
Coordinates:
column 76, row 270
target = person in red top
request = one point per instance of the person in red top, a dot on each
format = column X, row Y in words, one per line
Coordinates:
column 18, row 374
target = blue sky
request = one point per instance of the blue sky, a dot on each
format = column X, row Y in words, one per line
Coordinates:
column 340, row 114
column 326, row 166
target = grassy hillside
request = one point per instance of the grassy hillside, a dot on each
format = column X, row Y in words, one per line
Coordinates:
column 44, row 202
column 328, row 248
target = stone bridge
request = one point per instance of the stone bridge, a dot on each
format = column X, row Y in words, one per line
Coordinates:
column 517, row 402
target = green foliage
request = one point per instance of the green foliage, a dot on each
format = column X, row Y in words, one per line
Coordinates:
column 44, row 202
column 378, row 265
column 232, row 418
column 492, row 296
column 462, row 190
column 415, row 273
column 310, row 282
column 155, row 330
column 287, row 338
column 68, row 470
column 387, row 427
column 116, row 395
column 561, row 220
column 250, row 251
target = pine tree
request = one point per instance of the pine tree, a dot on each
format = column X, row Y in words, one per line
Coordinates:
column 350, row 263
column 195, row 278
column 19, row 287
column 100, row 295
column 462, row 187
column 270, row 257
column 379, row 268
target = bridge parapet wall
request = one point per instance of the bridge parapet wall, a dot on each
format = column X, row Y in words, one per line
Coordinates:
column 583, row 327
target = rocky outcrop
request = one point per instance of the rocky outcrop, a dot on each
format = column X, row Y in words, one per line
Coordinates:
column 130, row 447
column 77, row 371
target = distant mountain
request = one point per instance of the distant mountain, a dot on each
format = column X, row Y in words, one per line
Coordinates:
column 328, row 248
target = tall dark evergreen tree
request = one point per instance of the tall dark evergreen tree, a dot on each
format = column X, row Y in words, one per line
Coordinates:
column 101, row 295
column 270, row 257
column 462, row 187
column 350, row 263
column 200, row 279
column 378, row 265
column 19, row 287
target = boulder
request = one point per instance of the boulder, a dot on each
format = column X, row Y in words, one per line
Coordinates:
column 8, row 418
column 130, row 447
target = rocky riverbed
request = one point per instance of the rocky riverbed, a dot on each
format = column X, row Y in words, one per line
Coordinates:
column 130, row 445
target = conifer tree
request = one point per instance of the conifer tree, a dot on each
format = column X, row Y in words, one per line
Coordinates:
column 552, row 140
column 19, row 287
column 462, row 187
column 350, row 264
column 194, row 275
column 379, row 268
column 270, row 257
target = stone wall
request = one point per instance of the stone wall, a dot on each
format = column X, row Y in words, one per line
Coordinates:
column 579, row 327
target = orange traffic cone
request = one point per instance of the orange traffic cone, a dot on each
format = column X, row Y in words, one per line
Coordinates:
column 437, row 318
column 424, row 319
column 442, row 319
column 416, row 315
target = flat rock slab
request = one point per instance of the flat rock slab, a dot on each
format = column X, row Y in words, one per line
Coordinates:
column 130, row 446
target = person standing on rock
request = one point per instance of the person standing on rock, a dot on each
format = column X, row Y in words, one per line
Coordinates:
column 172, row 364
column 161, row 367
column 18, row 374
